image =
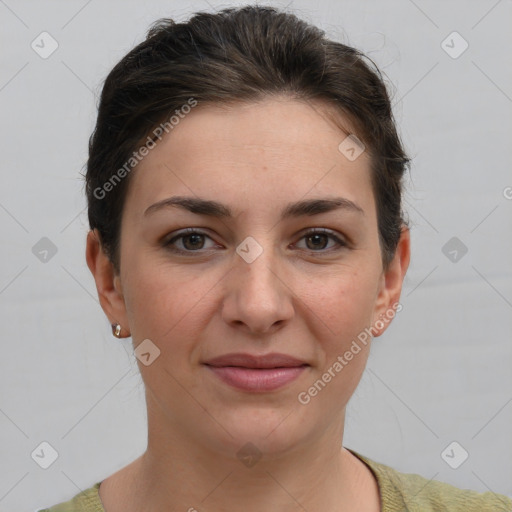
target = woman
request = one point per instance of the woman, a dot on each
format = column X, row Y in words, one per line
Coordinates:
column 244, row 190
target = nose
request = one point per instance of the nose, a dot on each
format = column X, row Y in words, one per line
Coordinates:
column 258, row 295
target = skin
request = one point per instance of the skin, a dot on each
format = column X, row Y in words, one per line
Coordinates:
column 305, row 297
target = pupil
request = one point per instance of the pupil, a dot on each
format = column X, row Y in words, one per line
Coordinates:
column 197, row 238
column 316, row 237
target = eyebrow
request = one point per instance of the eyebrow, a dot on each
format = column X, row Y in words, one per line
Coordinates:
column 215, row 209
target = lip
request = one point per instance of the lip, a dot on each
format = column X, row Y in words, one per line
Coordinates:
column 256, row 373
column 273, row 360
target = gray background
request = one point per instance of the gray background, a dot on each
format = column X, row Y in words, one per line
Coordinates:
column 442, row 371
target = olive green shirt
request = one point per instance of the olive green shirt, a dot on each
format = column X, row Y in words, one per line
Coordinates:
column 399, row 492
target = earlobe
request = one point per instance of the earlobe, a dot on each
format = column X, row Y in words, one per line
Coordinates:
column 387, row 304
column 108, row 283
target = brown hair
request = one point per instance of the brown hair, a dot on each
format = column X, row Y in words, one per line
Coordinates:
column 237, row 54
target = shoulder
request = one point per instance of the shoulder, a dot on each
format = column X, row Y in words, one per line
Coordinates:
column 85, row 501
column 412, row 492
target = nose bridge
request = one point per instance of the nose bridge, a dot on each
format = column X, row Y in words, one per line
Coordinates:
column 257, row 261
column 256, row 294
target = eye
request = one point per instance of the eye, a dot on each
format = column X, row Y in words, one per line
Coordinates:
column 191, row 240
column 319, row 237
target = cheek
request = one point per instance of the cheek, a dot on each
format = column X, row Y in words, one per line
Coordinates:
column 343, row 310
column 163, row 300
column 343, row 305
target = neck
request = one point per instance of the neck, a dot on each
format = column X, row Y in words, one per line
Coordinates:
column 180, row 471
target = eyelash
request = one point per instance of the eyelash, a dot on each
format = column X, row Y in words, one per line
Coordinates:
column 192, row 231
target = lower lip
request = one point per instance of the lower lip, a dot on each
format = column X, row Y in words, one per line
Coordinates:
column 252, row 379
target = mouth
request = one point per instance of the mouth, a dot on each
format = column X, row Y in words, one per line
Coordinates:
column 256, row 373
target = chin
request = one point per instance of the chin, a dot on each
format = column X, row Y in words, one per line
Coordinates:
column 268, row 432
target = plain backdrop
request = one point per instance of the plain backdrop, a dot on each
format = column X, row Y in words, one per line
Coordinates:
column 442, row 371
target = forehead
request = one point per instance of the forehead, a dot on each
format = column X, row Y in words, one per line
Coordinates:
column 271, row 150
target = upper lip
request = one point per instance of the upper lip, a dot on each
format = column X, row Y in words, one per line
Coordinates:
column 273, row 360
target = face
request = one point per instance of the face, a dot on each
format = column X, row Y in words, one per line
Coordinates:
column 258, row 273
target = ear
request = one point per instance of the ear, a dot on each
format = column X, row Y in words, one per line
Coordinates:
column 390, row 288
column 108, row 282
